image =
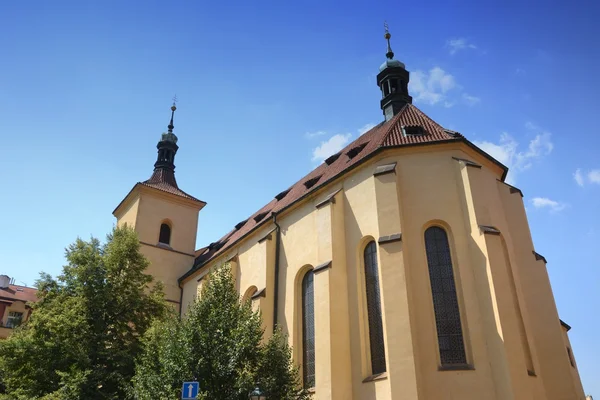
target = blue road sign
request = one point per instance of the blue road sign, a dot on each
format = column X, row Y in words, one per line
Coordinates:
column 189, row 391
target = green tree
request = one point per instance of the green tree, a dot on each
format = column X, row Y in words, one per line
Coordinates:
column 218, row 344
column 85, row 331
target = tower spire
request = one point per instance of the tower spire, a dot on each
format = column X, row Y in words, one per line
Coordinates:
column 393, row 81
column 164, row 167
column 388, row 36
column 173, row 108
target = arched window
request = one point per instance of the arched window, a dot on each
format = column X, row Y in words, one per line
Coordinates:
column 165, row 234
column 374, row 310
column 445, row 301
column 308, row 330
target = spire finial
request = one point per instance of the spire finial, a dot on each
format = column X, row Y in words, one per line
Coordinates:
column 173, row 108
column 387, row 36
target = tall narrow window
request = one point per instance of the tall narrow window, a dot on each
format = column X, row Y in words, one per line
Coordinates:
column 445, row 300
column 165, row 234
column 308, row 330
column 374, row 310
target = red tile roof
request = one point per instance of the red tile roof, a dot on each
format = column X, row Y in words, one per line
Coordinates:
column 164, row 179
column 20, row 293
column 385, row 135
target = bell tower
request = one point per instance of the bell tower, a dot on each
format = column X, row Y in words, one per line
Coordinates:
column 393, row 82
column 164, row 217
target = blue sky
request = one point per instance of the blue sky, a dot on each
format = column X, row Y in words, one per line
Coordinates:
column 266, row 89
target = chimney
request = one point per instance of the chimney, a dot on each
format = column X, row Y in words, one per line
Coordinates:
column 4, row 281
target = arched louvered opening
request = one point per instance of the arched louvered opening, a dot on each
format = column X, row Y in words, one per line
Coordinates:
column 164, row 236
column 308, row 330
column 445, row 300
column 376, row 342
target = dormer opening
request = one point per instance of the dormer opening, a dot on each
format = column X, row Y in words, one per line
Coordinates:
column 331, row 159
column 353, row 152
column 259, row 217
column 281, row 195
column 413, row 130
column 311, row 182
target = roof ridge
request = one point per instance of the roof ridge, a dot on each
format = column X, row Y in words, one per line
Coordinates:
column 393, row 123
column 383, row 135
column 422, row 114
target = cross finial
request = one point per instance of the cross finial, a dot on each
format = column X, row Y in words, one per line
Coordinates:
column 387, row 36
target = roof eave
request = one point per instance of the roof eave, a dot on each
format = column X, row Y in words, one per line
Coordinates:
column 375, row 152
column 487, row 156
column 199, row 204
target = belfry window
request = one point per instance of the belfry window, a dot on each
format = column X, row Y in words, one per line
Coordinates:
column 165, row 234
column 308, row 330
column 374, row 310
column 445, row 300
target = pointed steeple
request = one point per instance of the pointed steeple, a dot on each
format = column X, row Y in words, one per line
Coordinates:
column 164, row 167
column 393, row 82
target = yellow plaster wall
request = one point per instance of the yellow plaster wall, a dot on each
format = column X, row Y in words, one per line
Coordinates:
column 540, row 315
column 129, row 213
column 574, row 371
column 498, row 282
column 154, row 210
column 146, row 210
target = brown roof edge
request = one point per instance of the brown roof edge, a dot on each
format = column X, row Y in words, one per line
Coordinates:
column 486, row 155
column 140, row 184
column 345, row 171
column 565, row 325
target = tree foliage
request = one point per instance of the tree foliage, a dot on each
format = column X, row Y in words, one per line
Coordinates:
column 85, row 331
column 219, row 344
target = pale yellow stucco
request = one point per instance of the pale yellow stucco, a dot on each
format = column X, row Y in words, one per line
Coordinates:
column 514, row 342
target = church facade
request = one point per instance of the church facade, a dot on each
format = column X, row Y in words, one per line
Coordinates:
column 402, row 267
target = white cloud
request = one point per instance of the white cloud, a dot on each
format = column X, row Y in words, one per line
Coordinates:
column 335, row 143
column 578, row 177
column 458, row 44
column 471, row 100
column 594, row 176
column 310, row 135
column 431, row 87
column 544, row 202
column 331, row 146
column 507, row 150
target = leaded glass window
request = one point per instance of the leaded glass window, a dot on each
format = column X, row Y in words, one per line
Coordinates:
column 445, row 301
column 374, row 310
column 308, row 330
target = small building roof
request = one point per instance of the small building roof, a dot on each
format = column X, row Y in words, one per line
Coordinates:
column 14, row 293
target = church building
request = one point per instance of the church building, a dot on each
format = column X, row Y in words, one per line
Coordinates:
column 402, row 267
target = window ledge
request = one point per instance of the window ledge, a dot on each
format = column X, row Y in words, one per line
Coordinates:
column 375, row 377
column 456, row 367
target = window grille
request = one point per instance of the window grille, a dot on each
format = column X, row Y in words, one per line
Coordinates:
column 374, row 310
column 445, row 301
column 308, row 330
column 14, row 319
column 165, row 234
